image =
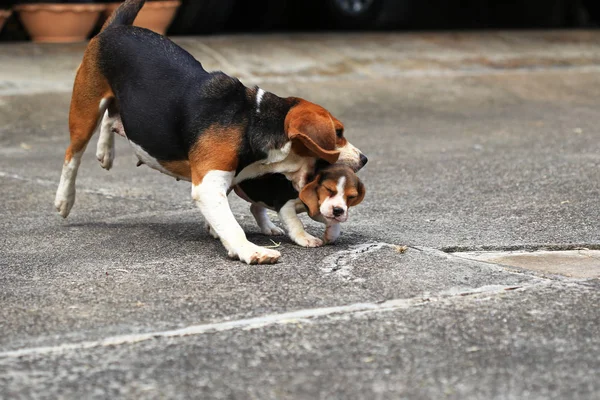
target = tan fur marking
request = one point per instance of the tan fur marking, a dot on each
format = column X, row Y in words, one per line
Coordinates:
column 179, row 168
column 216, row 149
column 337, row 124
column 90, row 88
column 354, row 193
column 323, row 193
column 340, row 140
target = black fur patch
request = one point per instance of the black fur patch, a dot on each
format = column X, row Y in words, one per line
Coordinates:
column 167, row 100
column 274, row 190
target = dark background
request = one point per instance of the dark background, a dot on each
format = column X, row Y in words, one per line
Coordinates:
column 239, row 16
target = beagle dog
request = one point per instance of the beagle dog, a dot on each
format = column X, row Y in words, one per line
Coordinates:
column 203, row 127
column 326, row 198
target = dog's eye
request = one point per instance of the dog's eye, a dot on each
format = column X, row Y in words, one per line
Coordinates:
column 339, row 132
column 351, row 197
column 331, row 192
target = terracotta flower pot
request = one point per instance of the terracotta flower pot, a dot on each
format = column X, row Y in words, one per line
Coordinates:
column 59, row 23
column 155, row 15
column 4, row 15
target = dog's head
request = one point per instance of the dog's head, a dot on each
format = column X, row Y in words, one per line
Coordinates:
column 316, row 133
column 332, row 192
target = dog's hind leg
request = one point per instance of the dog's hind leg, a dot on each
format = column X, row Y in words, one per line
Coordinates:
column 105, row 150
column 264, row 223
column 90, row 99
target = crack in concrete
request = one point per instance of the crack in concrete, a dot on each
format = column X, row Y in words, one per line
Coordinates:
column 581, row 263
column 524, row 247
column 339, row 263
column 494, row 266
column 295, row 317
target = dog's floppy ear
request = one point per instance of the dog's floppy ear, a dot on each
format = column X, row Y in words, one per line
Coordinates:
column 314, row 148
column 312, row 132
column 310, row 197
column 361, row 194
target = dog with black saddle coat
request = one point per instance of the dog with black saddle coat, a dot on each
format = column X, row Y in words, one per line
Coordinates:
column 199, row 126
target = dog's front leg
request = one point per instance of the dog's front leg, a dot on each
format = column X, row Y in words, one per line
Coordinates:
column 294, row 226
column 210, row 194
column 332, row 232
column 332, row 229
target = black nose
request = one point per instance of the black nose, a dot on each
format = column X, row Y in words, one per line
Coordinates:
column 363, row 160
column 337, row 211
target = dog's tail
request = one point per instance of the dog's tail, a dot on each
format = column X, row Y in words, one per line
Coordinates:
column 125, row 14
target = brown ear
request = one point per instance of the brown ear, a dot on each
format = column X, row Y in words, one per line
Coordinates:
column 331, row 156
column 312, row 131
column 361, row 195
column 310, row 197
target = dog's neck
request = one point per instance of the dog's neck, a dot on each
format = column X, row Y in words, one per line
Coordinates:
column 266, row 116
column 296, row 169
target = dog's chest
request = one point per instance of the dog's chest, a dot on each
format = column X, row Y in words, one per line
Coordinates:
column 282, row 161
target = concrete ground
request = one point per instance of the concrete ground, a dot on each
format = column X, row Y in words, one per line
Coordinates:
column 476, row 142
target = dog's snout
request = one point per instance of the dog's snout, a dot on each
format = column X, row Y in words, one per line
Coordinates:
column 363, row 160
column 337, row 211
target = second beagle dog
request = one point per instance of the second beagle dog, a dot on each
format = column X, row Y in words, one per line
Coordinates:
column 326, row 199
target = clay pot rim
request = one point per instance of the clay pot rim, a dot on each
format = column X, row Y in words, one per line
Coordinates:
column 55, row 7
column 154, row 4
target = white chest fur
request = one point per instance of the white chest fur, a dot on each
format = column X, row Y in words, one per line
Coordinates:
column 278, row 161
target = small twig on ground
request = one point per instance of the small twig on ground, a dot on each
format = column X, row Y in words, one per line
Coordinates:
column 275, row 244
column 400, row 249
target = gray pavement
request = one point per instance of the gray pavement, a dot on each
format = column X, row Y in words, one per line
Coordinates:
column 475, row 141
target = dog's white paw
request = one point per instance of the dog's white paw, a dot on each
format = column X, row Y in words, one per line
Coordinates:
column 105, row 155
column 328, row 240
column 307, row 240
column 272, row 231
column 232, row 254
column 253, row 254
column 64, row 203
column 211, row 231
